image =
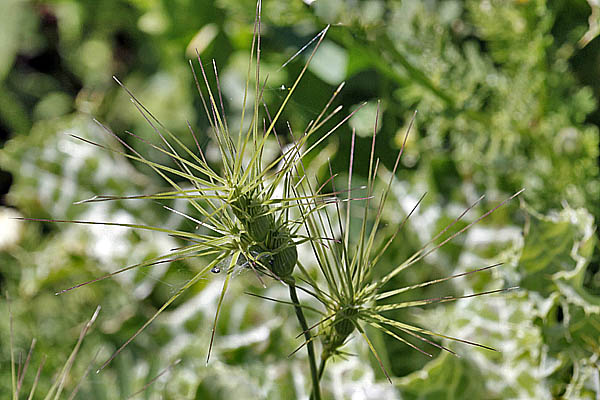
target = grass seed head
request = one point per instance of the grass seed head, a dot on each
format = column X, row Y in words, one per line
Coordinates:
column 352, row 291
column 239, row 228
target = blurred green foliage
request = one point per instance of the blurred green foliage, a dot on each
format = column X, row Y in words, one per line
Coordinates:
column 507, row 97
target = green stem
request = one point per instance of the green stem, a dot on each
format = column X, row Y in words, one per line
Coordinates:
column 322, row 367
column 316, row 393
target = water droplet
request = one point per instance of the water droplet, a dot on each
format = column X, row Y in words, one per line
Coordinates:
column 215, row 270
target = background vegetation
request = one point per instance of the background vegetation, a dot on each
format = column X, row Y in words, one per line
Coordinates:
column 507, row 94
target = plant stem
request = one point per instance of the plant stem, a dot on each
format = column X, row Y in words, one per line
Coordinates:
column 316, row 393
column 322, row 367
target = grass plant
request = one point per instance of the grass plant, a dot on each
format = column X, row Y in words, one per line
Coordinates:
column 19, row 369
column 352, row 291
column 63, row 376
column 251, row 213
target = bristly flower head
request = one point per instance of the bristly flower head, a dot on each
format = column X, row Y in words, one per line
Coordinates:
column 352, row 292
column 239, row 221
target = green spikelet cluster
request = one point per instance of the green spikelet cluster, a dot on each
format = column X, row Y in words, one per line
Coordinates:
column 335, row 335
column 271, row 243
column 343, row 322
column 286, row 254
column 254, row 216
